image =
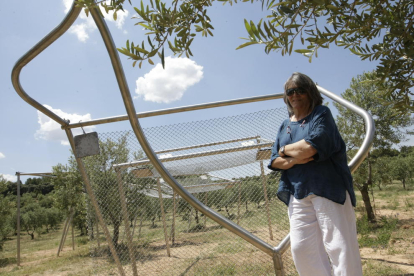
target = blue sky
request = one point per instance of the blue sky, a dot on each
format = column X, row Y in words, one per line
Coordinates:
column 74, row 78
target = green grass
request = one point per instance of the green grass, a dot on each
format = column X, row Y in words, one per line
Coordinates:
column 376, row 268
column 377, row 234
column 226, row 254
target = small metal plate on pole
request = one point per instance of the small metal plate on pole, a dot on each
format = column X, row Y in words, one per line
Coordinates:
column 86, row 144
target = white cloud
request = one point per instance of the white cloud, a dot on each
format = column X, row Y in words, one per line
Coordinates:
column 87, row 25
column 169, row 84
column 120, row 20
column 2, row 155
column 51, row 131
column 9, row 177
column 81, row 31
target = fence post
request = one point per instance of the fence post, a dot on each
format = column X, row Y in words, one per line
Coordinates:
column 18, row 218
column 264, row 180
column 126, row 221
column 167, row 244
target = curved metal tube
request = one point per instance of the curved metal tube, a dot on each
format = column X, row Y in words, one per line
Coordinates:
column 36, row 50
column 133, row 118
column 176, row 110
column 369, row 130
column 23, row 61
column 126, row 96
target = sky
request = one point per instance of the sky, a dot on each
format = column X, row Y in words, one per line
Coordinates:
column 73, row 77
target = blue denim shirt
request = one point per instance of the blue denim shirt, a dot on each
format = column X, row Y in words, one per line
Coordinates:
column 328, row 175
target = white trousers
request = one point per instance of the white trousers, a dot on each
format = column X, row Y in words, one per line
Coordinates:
column 323, row 237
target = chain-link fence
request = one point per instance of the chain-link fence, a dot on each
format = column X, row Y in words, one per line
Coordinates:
column 223, row 163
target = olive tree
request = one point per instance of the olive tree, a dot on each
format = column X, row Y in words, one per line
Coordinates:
column 388, row 129
column 374, row 30
column 7, row 207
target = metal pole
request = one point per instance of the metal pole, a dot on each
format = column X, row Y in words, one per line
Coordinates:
column 369, row 128
column 126, row 221
column 278, row 264
column 192, row 155
column 176, row 110
column 94, row 202
column 67, row 22
column 18, row 218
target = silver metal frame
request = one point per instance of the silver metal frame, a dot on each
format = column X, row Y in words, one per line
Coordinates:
column 133, row 117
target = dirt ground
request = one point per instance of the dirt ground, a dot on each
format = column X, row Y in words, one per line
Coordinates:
column 400, row 252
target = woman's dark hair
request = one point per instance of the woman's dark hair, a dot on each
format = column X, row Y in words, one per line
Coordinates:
column 306, row 83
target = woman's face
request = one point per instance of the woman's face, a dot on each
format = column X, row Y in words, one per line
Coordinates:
column 299, row 98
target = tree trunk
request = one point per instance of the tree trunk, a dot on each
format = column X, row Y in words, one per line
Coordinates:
column 227, row 210
column 91, row 231
column 403, row 182
column 115, row 238
column 367, row 203
column 196, row 216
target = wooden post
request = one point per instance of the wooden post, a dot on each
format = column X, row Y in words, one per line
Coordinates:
column 238, row 205
column 62, row 239
column 205, row 203
column 173, row 219
column 97, row 234
column 189, row 219
column 73, row 237
column 126, row 221
column 163, row 218
column 264, row 180
column 18, row 218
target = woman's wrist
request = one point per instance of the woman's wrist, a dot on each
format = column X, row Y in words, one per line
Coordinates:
column 282, row 151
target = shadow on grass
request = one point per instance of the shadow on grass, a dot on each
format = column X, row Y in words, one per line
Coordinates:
column 7, row 261
column 389, row 262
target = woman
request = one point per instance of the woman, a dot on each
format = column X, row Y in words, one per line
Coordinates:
column 316, row 184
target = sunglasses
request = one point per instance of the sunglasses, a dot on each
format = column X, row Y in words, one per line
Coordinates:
column 298, row 90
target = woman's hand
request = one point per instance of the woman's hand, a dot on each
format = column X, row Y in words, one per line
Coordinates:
column 285, row 163
column 300, row 149
column 304, row 161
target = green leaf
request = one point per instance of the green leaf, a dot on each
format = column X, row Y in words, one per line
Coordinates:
column 286, row 10
column 151, row 54
column 150, row 61
column 290, row 26
column 146, row 26
column 162, row 58
column 249, row 29
column 145, row 52
column 254, row 30
column 247, row 44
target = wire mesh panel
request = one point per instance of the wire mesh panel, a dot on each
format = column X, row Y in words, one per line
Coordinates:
column 223, row 163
